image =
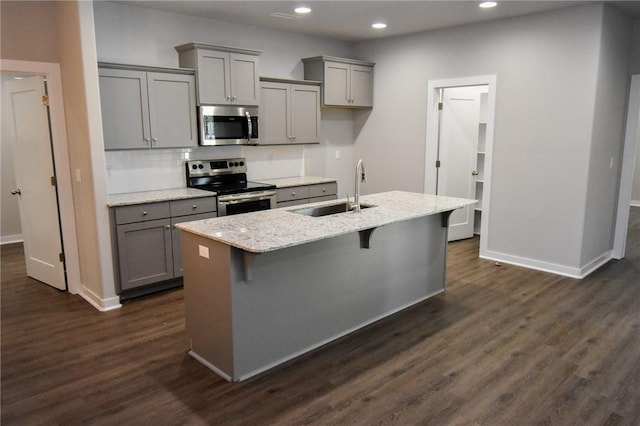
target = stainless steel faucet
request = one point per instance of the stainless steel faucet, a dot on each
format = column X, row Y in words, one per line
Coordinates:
column 361, row 176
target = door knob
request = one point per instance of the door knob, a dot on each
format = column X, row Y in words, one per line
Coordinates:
column 16, row 191
column 474, row 173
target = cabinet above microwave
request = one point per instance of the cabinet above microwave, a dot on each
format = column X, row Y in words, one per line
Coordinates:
column 224, row 75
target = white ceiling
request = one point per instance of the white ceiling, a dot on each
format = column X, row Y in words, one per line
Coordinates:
column 351, row 20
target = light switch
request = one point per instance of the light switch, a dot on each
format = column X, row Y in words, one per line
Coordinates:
column 78, row 176
column 203, row 251
column 337, row 155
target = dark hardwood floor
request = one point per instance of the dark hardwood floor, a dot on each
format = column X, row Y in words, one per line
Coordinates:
column 503, row 346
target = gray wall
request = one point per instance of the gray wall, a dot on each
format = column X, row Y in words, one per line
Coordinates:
column 547, row 68
column 608, row 134
column 11, row 229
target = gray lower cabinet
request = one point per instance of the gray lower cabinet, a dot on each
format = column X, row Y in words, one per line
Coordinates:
column 304, row 194
column 148, row 248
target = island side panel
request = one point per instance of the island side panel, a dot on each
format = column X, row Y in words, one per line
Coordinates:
column 304, row 296
column 207, row 293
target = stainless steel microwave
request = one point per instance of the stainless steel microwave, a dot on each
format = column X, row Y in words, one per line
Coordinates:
column 228, row 125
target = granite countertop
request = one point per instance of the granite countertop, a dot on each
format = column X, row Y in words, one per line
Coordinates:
column 270, row 230
column 297, row 181
column 129, row 198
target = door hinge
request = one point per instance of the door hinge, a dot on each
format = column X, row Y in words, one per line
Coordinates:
column 61, row 257
column 439, row 106
column 54, row 182
column 437, row 163
column 45, row 100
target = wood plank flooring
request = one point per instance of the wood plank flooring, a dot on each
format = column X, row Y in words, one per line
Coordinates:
column 503, row 346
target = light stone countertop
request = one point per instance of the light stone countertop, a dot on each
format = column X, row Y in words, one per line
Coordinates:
column 270, row 230
column 297, row 181
column 129, row 198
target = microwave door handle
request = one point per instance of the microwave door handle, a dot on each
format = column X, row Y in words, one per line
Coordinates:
column 249, row 126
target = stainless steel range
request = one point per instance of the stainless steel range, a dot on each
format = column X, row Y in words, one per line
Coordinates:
column 228, row 178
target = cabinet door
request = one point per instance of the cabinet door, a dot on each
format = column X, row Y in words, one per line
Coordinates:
column 172, row 110
column 214, row 80
column 176, row 238
column 125, row 109
column 305, row 114
column 361, row 86
column 274, row 114
column 336, row 84
column 144, row 253
column 245, row 79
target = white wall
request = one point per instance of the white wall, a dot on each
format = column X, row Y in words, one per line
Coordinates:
column 134, row 35
column 547, row 73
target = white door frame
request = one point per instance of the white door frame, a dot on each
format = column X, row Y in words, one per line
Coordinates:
column 631, row 142
column 61, row 160
column 431, row 151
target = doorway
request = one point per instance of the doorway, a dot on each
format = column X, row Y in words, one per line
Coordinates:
column 459, row 146
column 59, row 158
column 26, row 124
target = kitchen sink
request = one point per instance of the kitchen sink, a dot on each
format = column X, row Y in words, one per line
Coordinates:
column 342, row 207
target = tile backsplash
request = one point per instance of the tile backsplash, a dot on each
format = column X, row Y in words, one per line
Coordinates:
column 146, row 170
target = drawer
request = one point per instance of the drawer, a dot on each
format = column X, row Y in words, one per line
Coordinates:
column 190, row 218
column 323, row 189
column 193, row 206
column 292, row 203
column 325, row 198
column 292, row 193
column 142, row 212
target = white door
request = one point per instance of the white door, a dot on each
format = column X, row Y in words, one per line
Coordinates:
column 34, row 172
column 458, row 146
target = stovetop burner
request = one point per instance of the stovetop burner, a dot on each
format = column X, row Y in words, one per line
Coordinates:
column 228, row 176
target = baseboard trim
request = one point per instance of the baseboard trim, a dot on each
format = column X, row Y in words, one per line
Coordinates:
column 552, row 268
column 103, row 305
column 11, row 239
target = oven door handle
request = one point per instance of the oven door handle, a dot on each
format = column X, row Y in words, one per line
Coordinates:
column 243, row 198
column 249, row 126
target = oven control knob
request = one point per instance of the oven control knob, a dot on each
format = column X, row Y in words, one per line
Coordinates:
column 242, row 163
column 236, row 164
column 194, row 166
column 200, row 166
column 230, row 163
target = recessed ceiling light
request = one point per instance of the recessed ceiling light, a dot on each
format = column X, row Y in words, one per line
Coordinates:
column 379, row 25
column 488, row 4
column 302, row 10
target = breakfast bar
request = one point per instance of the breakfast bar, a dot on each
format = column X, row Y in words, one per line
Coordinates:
column 262, row 288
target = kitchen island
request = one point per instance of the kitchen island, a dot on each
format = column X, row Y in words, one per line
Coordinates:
column 262, row 288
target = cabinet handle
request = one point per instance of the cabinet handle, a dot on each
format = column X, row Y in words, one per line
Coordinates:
column 155, row 139
column 168, row 226
column 144, row 213
column 293, row 137
column 147, row 139
column 234, row 97
column 474, row 173
column 293, row 193
column 195, row 206
column 324, row 189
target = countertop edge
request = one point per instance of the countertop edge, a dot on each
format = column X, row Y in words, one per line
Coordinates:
column 155, row 196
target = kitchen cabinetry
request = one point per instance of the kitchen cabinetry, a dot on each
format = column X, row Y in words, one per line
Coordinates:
column 303, row 194
column 225, row 75
column 479, row 171
column 289, row 112
column 345, row 82
column 148, row 248
column 147, row 107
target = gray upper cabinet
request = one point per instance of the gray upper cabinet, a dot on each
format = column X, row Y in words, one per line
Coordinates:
column 147, row 109
column 289, row 112
column 345, row 82
column 225, row 75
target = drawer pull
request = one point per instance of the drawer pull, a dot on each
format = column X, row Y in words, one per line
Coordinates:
column 293, row 193
column 324, row 189
column 144, row 213
column 195, row 206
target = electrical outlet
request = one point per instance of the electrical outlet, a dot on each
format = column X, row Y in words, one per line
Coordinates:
column 203, row 251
